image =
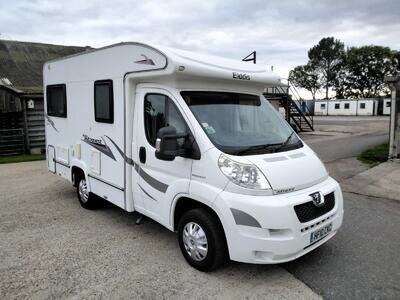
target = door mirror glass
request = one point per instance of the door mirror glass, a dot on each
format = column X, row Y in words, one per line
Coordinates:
column 167, row 146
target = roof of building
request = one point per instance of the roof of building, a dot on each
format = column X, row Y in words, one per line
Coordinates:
column 21, row 63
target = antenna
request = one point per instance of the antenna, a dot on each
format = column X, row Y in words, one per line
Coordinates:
column 251, row 57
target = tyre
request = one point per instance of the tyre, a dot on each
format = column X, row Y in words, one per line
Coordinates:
column 202, row 240
column 86, row 199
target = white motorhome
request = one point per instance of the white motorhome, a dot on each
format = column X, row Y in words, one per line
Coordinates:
column 189, row 141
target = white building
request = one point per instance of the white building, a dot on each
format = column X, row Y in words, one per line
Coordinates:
column 386, row 106
column 346, row 107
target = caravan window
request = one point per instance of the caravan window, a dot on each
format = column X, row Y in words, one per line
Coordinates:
column 346, row 105
column 388, row 104
column 323, row 106
column 160, row 111
column 104, row 101
column 56, row 97
column 337, row 105
column 362, row 105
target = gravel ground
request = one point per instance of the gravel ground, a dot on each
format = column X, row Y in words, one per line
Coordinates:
column 50, row 247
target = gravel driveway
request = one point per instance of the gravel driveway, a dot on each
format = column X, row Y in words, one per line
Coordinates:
column 50, row 247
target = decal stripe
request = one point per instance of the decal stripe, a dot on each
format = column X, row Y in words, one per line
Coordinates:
column 102, row 148
column 144, row 191
column 158, row 185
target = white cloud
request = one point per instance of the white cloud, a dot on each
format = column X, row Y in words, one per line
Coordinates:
column 280, row 31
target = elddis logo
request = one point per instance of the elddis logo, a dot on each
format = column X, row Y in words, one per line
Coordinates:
column 241, row 76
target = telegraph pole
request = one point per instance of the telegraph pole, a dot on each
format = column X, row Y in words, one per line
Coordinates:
column 394, row 133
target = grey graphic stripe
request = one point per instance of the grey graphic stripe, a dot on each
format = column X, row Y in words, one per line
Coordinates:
column 242, row 218
column 51, row 122
column 158, row 185
column 126, row 158
column 102, row 148
column 144, row 191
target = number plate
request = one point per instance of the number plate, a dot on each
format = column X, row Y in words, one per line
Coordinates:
column 320, row 233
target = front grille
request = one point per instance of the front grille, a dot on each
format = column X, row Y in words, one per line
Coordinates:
column 308, row 211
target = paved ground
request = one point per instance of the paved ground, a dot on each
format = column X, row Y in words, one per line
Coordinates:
column 50, row 247
column 362, row 261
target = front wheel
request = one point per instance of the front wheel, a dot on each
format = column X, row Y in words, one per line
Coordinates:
column 202, row 240
column 85, row 198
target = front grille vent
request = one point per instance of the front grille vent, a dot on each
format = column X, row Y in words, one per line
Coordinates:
column 308, row 211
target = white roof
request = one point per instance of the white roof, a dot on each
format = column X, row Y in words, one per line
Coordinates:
column 124, row 58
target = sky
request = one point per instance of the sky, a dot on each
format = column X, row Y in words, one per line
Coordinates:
column 280, row 31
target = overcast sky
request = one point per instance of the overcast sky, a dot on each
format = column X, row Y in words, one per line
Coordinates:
column 280, row 31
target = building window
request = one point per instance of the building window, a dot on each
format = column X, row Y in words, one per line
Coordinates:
column 160, row 111
column 337, row 105
column 388, row 104
column 323, row 106
column 346, row 105
column 56, row 97
column 362, row 105
column 104, row 101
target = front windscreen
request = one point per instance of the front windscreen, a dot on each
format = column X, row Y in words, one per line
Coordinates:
column 241, row 124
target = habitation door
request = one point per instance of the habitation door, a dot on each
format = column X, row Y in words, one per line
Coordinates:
column 159, row 181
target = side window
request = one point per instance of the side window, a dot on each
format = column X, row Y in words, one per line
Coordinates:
column 104, row 101
column 362, row 105
column 56, row 97
column 346, row 105
column 337, row 105
column 160, row 111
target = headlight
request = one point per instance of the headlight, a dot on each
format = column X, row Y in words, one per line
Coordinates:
column 245, row 175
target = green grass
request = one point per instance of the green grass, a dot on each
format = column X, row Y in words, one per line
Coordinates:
column 375, row 155
column 21, row 158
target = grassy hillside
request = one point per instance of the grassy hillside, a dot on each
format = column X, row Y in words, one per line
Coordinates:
column 22, row 62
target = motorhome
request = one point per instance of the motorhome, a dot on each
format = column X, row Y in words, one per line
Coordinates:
column 189, row 141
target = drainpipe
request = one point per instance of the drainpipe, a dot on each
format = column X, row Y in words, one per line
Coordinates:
column 394, row 130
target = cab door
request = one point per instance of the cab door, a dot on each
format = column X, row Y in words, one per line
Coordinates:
column 159, row 181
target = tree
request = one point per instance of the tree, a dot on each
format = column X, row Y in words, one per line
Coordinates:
column 327, row 58
column 364, row 72
column 305, row 77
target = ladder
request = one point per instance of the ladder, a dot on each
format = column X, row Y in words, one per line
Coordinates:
column 297, row 111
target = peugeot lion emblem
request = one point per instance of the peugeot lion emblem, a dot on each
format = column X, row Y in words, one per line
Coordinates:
column 318, row 199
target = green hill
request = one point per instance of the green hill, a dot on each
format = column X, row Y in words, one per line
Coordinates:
column 22, row 62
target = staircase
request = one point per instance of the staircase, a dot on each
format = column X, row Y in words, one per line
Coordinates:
column 297, row 112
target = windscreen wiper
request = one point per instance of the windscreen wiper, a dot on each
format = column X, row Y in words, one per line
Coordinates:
column 255, row 148
column 285, row 142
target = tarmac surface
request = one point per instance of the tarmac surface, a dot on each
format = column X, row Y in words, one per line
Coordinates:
column 52, row 248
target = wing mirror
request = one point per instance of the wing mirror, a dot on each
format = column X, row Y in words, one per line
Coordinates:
column 167, row 147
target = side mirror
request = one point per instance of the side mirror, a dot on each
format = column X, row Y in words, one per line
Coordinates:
column 167, row 143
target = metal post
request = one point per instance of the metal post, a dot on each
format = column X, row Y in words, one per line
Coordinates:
column 394, row 130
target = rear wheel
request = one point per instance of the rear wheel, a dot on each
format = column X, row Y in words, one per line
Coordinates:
column 85, row 198
column 202, row 240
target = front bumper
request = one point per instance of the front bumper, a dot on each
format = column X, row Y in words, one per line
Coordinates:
column 276, row 235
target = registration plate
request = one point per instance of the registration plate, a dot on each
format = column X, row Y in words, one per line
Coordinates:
column 320, row 233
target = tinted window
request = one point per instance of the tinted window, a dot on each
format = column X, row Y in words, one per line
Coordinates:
column 337, row 105
column 160, row 111
column 56, row 100
column 103, row 101
column 347, row 105
column 362, row 105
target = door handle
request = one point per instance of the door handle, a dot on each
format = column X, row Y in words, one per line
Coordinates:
column 142, row 155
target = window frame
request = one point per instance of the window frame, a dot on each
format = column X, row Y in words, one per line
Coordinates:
column 363, row 105
column 347, row 106
column 337, row 105
column 52, row 114
column 110, row 102
column 323, row 106
column 167, row 109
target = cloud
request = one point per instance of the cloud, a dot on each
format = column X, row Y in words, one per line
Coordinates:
column 280, row 31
